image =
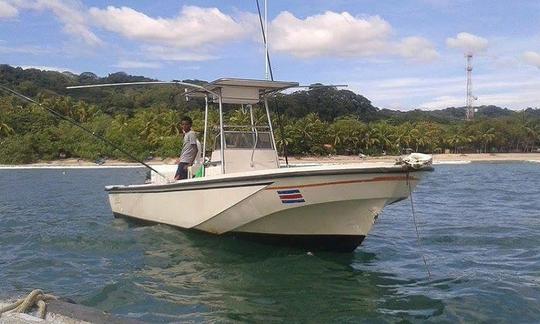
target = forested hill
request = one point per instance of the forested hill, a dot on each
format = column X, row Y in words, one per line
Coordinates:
column 327, row 103
column 320, row 120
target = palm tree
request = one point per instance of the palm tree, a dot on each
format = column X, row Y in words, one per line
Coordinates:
column 488, row 137
column 383, row 132
column 5, row 129
column 240, row 117
column 455, row 140
column 403, row 136
column 369, row 140
column 532, row 135
column 169, row 124
column 347, row 135
column 415, row 138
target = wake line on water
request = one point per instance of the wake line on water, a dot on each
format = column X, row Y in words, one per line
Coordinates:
column 484, row 161
column 452, row 162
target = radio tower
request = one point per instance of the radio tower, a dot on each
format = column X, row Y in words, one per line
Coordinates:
column 470, row 98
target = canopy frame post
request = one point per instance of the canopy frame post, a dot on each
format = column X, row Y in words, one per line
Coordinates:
column 221, row 133
column 205, row 128
column 271, row 128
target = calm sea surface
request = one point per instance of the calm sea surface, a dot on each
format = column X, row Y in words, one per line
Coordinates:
column 479, row 224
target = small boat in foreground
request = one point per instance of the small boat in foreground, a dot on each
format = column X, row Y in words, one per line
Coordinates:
column 242, row 189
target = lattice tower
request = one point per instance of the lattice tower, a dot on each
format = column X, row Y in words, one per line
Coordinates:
column 470, row 98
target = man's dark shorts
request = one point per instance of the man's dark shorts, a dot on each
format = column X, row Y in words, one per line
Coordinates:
column 181, row 172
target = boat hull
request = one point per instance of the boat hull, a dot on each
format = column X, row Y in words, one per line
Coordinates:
column 335, row 243
column 324, row 208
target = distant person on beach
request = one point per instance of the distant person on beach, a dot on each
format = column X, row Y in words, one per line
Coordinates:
column 189, row 150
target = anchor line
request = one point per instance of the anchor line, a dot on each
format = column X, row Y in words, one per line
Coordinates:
column 418, row 239
column 89, row 131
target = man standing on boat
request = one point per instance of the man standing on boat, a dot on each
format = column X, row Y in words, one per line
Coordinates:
column 189, row 150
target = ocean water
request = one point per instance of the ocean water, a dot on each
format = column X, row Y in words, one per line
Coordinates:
column 479, row 226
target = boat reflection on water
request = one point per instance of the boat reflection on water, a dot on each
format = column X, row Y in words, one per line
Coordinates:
column 190, row 276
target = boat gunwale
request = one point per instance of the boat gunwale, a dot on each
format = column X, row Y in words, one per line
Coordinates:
column 239, row 179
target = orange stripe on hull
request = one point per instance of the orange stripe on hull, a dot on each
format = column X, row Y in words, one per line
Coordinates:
column 376, row 179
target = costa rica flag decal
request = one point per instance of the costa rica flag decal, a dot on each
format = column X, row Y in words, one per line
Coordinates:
column 291, row 196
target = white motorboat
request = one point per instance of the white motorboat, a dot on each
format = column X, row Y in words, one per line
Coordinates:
column 242, row 189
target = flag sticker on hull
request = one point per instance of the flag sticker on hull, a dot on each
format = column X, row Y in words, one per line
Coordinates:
column 292, row 196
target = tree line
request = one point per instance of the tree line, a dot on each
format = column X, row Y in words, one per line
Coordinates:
column 317, row 121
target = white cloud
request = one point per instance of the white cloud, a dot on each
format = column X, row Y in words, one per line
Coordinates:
column 7, row 10
column 46, row 68
column 194, row 33
column 73, row 19
column 189, row 67
column 127, row 64
column 515, row 91
column 519, row 99
column 189, row 36
column 469, row 43
column 392, row 92
column 438, row 3
column 174, row 54
column 25, row 49
column 330, row 33
column 193, row 27
column 443, row 102
column 418, row 49
column 69, row 13
column 343, row 35
column 532, row 58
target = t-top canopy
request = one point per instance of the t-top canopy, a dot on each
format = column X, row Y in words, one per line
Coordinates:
column 242, row 91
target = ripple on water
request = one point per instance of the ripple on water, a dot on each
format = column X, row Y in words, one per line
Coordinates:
column 478, row 222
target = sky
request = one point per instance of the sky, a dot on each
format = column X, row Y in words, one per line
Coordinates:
column 402, row 55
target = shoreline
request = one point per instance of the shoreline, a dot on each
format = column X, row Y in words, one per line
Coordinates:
column 437, row 158
column 335, row 159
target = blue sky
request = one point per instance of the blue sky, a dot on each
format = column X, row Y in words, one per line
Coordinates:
column 400, row 54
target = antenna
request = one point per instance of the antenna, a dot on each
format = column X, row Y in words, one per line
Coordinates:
column 470, row 98
column 266, row 38
column 268, row 64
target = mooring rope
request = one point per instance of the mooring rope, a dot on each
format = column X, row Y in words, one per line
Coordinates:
column 35, row 298
column 418, row 239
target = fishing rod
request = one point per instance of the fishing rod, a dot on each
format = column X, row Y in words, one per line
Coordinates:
column 89, row 131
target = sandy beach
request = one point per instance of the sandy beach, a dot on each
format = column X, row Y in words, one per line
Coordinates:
column 437, row 158
column 334, row 159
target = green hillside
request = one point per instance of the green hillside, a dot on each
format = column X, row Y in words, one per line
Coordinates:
column 144, row 120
